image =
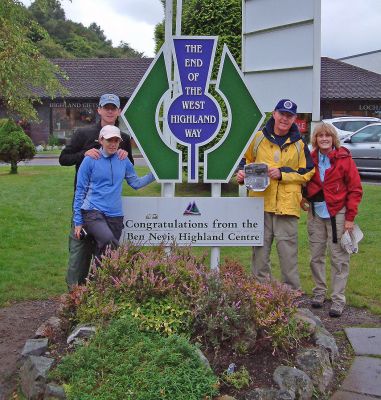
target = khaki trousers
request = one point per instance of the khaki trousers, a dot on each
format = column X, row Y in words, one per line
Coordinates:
column 284, row 228
column 320, row 237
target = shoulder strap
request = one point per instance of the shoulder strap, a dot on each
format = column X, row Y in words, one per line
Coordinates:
column 257, row 141
column 298, row 146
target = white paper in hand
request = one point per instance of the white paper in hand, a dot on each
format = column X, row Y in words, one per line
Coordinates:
column 349, row 241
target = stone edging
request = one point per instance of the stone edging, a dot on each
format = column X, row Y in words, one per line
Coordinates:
column 313, row 368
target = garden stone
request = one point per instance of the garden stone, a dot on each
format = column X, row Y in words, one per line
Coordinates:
column 53, row 392
column 50, row 327
column 35, row 347
column 309, row 322
column 33, row 376
column 226, row 397
column 202, row 357
column 81, row 331
column 295, row 381
column 321, row 330
column 315, row 363
column 309, row 314
column 324, row 339
column 269, row 394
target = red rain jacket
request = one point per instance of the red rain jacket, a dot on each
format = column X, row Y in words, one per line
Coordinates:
column 342, row 183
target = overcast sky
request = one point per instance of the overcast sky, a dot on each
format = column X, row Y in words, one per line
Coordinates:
column 348, row 26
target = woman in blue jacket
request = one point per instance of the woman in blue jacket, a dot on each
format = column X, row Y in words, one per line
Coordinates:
column 98, row 195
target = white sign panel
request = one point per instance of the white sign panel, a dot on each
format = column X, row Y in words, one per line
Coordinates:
column 196, row 221
column 281, row 52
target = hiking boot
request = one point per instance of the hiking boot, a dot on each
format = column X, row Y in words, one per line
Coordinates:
column 336, row 311
column 317, row 301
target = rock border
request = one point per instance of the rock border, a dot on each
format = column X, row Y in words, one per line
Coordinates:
column 313, row 369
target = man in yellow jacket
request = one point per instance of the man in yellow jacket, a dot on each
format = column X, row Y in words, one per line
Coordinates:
column 280, row 146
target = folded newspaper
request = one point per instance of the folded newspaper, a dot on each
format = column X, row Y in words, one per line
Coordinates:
column 349, row 241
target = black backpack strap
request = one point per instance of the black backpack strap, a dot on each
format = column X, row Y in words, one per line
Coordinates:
column 334, row 230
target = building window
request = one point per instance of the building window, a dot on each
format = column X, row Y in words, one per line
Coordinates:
column 67, row 117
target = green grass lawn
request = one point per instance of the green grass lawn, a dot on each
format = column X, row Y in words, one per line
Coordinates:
column 35, row 215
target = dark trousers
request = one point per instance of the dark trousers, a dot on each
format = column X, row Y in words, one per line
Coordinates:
column 106, row 231
column 80, row 255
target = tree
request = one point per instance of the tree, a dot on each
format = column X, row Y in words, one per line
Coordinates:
column 220, row 18
column 70, row 39
column 98, row 31
column 24, row 71
column 124, row 50
column 43, row 10
column 15, row 145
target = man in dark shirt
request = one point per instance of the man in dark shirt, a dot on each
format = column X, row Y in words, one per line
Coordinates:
column 85, row 143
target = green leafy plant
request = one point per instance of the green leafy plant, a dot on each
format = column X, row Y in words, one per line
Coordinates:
column 15, row 145
column 123, row 362
column 238, row 379
column 163, row 315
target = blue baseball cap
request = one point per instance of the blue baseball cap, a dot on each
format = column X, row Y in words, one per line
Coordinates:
column 286, row 105
column 109, row 98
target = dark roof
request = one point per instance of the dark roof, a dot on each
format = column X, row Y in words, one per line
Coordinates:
column 342, row 81
column 91, row 77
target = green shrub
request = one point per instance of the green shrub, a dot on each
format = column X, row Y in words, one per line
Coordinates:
column 122, row 362
column 15, row 145
column 238, row 379
column 53, row 141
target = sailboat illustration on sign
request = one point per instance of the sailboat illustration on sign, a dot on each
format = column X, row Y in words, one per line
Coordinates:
column 192, row 209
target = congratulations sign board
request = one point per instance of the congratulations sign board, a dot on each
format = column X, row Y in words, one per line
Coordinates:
column 197, row 221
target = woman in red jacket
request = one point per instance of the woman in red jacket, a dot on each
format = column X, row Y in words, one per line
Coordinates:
column 334, row 194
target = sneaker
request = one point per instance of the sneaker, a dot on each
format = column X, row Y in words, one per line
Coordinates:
column 317, row 301
column 336, row 311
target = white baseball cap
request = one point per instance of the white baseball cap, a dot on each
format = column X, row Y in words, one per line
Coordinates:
column 109, row 131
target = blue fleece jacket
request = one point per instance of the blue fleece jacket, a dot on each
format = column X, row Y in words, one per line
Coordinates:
column 99, row 185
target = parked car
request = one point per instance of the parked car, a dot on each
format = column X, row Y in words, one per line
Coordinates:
column 365, row 146
column 347, row 125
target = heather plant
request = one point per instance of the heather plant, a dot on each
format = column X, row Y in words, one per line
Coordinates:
column 154, row 287
column 224, row 313
column 175, row 293
column 237, row 310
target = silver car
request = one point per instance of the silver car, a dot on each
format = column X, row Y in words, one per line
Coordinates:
column 365, row 146
column 347, row 125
